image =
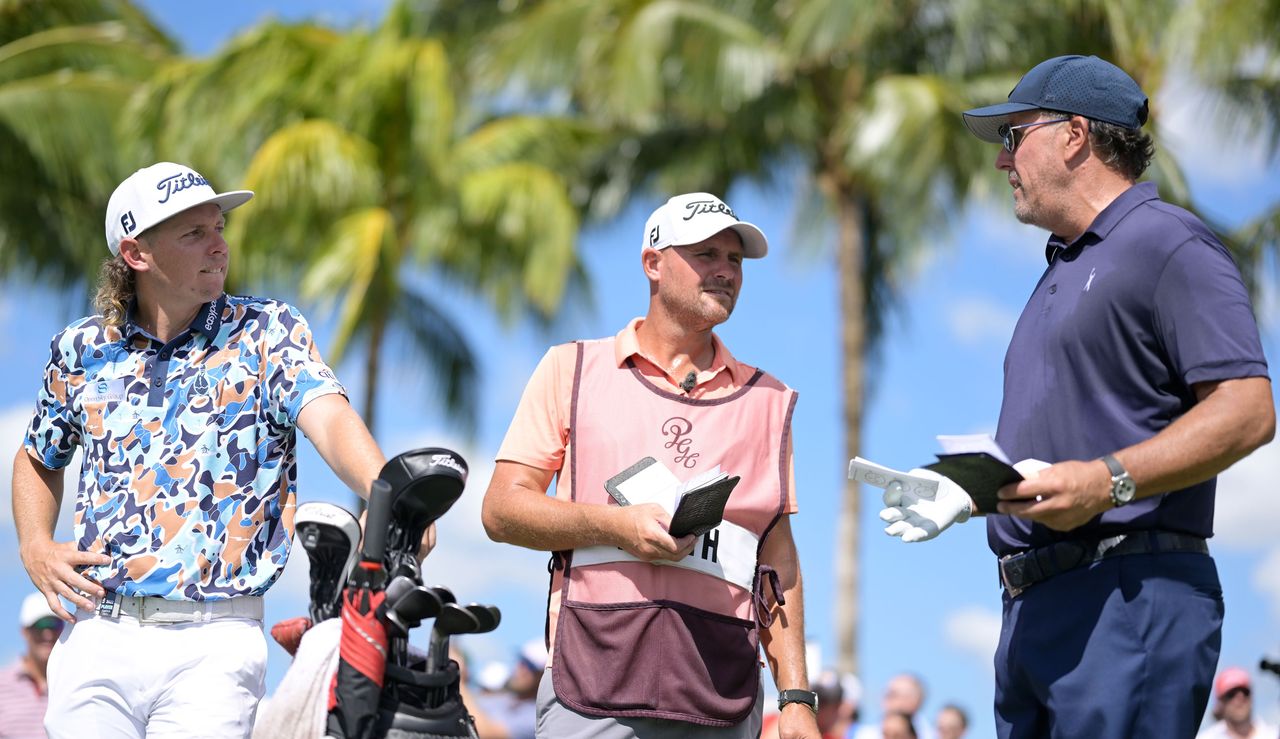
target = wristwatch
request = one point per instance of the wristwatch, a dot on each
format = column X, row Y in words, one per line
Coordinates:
column 1122, row 486
column 807, row 697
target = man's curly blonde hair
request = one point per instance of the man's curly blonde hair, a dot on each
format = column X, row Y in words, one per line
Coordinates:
column 116, row 290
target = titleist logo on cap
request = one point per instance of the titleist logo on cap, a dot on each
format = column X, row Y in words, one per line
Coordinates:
column 175, row 184
column 698, row 207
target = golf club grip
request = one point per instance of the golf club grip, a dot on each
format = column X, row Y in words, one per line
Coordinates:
column 376, row 519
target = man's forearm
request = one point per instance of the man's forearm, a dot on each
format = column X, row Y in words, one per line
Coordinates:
column 783, row 640
column 344, row 442
column 531, row 519
column 1232, row 419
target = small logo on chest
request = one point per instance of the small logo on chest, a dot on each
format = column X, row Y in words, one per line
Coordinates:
column 679, row 429
column 201, row 385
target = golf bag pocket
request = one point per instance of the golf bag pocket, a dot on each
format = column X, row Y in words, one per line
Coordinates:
column 657, row 660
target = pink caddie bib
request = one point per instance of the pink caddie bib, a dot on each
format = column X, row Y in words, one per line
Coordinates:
column 675, row 641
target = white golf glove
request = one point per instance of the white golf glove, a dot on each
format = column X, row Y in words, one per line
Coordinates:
column 916, row 518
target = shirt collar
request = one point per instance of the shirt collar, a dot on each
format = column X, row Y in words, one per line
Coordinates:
column 627, row 345
column 1105, row 221
column 207, row 320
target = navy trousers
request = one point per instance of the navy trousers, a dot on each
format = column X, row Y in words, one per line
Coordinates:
column 1121, row 649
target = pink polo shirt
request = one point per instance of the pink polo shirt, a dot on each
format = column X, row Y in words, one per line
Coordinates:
column 539, row 432
column 22, row 704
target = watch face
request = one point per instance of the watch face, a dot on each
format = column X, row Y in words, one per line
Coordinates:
column 1123, row 489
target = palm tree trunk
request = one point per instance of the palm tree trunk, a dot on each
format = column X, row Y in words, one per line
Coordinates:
column 372, row 360
column 850, row 257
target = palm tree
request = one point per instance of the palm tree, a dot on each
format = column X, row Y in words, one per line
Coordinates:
column 865, row 96
column 65, row 68
column 375, row 170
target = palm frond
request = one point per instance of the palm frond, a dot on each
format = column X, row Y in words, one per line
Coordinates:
column 361, row 251
column 436, row 341
column 306, row 176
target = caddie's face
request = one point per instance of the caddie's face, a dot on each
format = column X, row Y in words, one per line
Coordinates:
column 699, row 283
column 186, row 257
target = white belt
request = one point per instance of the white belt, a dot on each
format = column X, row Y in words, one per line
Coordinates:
column 155, row 610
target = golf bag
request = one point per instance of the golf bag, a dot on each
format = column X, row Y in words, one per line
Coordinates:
column 382, row 689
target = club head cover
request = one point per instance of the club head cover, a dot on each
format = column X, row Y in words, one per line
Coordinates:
column 288, row 633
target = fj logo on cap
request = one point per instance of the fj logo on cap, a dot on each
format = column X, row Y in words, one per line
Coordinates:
column 175, row 184
column 653, row 236
column 698, row 207
column 128, row 222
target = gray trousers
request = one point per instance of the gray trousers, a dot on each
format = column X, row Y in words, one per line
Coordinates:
column 558, row 721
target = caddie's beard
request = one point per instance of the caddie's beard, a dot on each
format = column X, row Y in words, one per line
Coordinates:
column 700, row 309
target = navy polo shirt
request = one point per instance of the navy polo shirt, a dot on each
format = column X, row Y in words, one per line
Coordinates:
column 1124, row 321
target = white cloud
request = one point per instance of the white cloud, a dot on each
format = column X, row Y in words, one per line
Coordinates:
column 13, row 424
column 975, row 320
column 1247, row 504
column 1266, row 579
column 13, row 428
column 974, row 631
column 1003, row 234
column 1187, row 113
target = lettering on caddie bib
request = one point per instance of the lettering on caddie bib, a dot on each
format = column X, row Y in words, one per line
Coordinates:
column 727, row 552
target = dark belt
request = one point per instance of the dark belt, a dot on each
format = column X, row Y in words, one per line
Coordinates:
column 1022, row 570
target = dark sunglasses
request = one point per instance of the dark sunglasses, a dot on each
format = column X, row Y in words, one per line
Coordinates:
column 1011, row 140
column 52, row 623
column 1234, row 692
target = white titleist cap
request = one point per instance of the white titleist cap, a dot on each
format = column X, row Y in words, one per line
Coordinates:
column 697, row 216
column 156, row 193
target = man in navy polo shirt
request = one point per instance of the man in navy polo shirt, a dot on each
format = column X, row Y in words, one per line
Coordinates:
column 1137, row 373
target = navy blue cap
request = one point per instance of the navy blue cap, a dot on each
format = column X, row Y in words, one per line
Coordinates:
column 1083, row 85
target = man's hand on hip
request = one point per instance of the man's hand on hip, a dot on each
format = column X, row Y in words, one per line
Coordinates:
column 641, row 531
column 52, row 567
column 916, row 518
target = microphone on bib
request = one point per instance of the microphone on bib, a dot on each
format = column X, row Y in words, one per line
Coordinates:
column 689, row 381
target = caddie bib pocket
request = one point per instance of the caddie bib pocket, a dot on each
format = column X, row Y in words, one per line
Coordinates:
column 655, row 660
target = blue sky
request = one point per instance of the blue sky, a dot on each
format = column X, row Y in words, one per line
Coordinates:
column 932, row 608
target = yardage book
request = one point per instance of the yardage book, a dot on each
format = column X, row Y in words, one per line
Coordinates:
column 973, row 461
column 696, row 505
column 976, row 463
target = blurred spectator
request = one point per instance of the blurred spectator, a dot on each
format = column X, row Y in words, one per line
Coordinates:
column 512, row 713
column 903, row 695
column 23, row 693
column 492, row 678
column 952, row 721
column 847, row 715
column 1233, row 704
column 897, row 726
column 830, row 698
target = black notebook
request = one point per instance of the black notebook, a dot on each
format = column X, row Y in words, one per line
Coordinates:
column 979, row 473
column 702, row 508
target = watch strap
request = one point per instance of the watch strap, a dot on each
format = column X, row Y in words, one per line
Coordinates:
column 1113, row 464
column 807, row 697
